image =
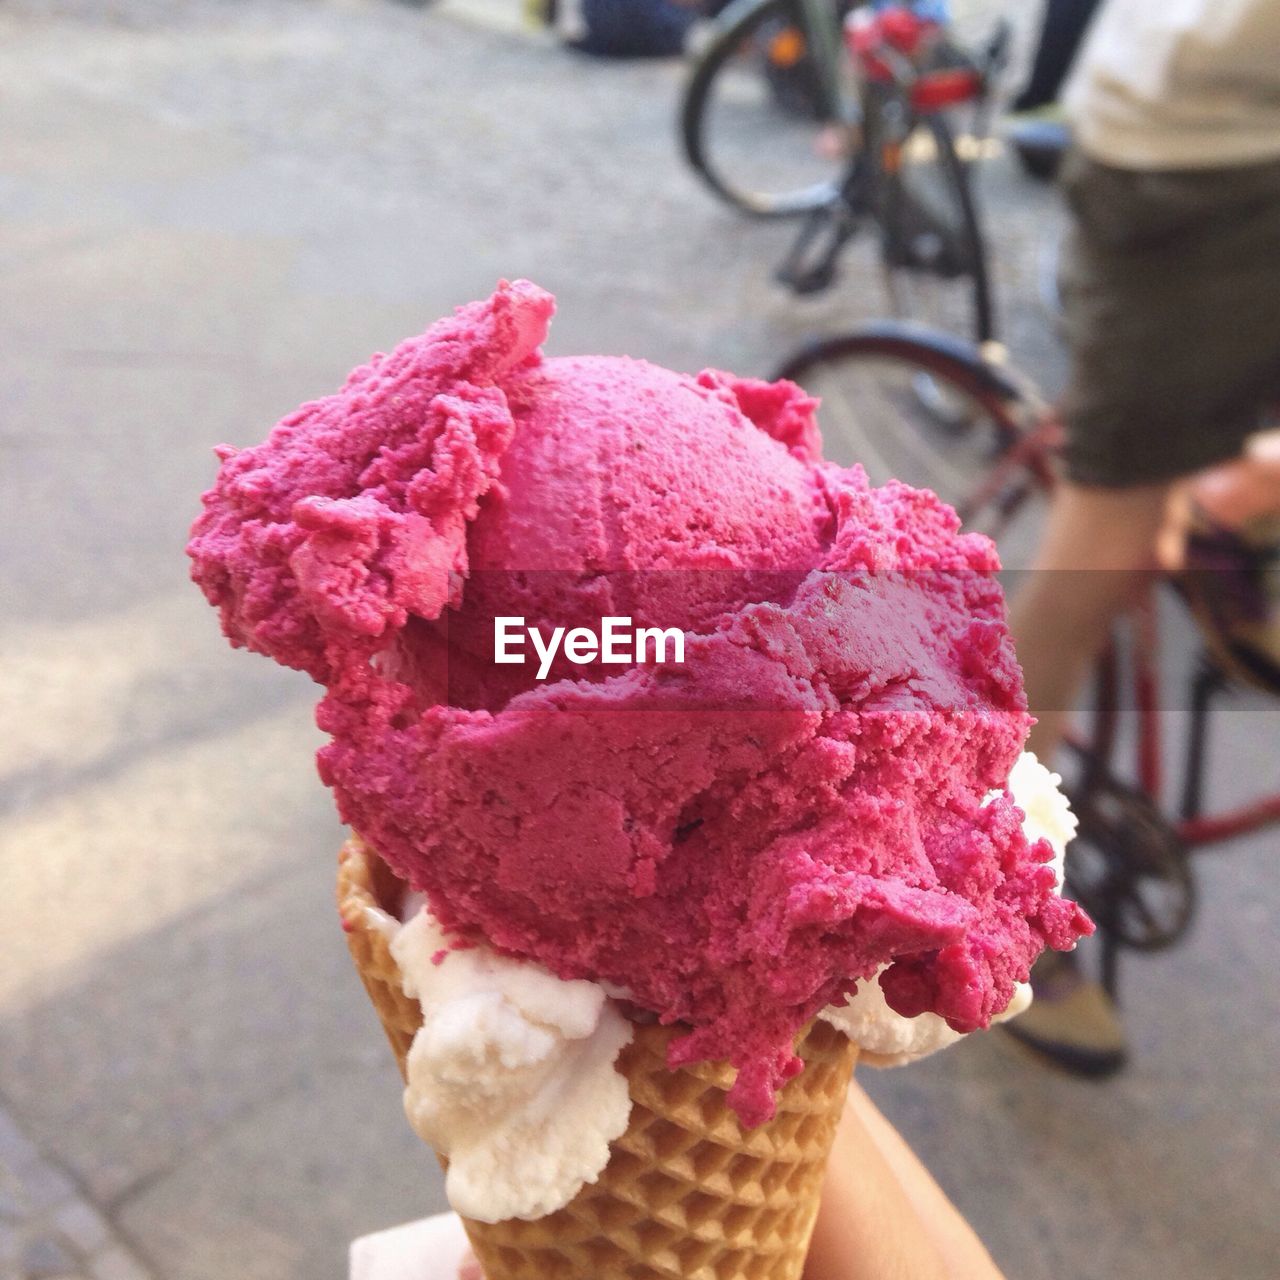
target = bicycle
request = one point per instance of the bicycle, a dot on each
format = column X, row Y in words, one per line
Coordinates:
column 845, row 115
column 1130, row 864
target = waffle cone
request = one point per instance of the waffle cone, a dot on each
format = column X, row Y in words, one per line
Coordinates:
column 688, row 1194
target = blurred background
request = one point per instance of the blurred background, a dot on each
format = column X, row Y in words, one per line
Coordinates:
column 209, row 212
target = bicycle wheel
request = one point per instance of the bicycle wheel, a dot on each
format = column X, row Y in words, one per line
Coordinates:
column 768, row 118
column 932, row 246
column 872, row 412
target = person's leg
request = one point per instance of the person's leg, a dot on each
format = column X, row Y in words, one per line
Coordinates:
column 1097, row 550
column 1173, row 327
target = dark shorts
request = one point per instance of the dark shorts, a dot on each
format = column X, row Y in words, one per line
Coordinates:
column 1171, row 298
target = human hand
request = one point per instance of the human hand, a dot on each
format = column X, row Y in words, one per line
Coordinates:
column 882, row 1214
column 469, row 1268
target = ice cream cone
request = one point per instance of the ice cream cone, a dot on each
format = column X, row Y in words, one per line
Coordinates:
column 688, row 1194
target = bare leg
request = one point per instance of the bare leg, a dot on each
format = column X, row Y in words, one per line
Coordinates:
column 1098, row 548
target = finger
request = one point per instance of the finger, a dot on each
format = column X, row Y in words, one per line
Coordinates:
column 469, row 1268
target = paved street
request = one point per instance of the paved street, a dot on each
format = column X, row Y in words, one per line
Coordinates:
column 208, row 213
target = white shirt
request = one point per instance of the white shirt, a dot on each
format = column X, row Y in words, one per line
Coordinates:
column 1179, row 84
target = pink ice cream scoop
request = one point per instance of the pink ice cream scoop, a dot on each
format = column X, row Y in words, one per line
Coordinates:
column 735, row 840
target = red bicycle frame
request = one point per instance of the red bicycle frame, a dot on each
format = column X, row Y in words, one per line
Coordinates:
column 1032, row 436
column 1195, row 829
column 886, row 46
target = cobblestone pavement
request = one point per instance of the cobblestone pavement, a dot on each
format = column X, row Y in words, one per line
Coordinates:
column 208, row 212
column 48, row 1229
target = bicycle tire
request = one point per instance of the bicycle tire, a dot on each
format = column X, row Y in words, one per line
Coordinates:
column 737, row 26
column 964, row 246
column 870, row 415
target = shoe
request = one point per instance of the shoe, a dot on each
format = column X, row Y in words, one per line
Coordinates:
column 1072, row 1021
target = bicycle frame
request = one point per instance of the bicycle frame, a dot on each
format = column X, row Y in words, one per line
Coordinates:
column 1192, row 831
column 1194, row 828
column 1026, row 466
column 1031, row 454
column 824, row 30
column 896, row 98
